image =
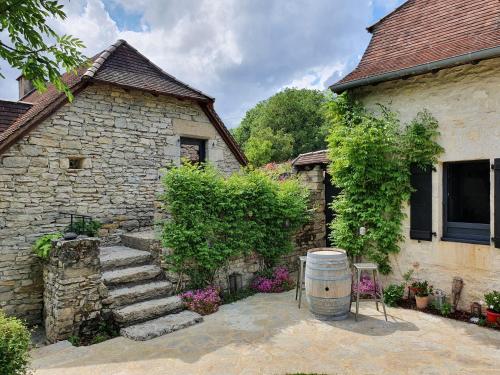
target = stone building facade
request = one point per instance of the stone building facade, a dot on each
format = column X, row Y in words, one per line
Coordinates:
column 465, row 100
column 420, row 57
column 101, row 155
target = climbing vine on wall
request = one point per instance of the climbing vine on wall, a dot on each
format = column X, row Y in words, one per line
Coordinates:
column 371, row 156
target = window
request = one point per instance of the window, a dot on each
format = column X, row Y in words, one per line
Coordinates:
column 75, row 163
column 192, row 150
column 467, row 201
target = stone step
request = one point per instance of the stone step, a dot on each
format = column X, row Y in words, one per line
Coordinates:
column 145, row 241
column 131, row 275
column 121, row 256
column 161, row 326
column 142, row 311
column 132, row 294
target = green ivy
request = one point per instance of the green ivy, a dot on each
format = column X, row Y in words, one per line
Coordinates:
column 43, row 245
column 371, row 157
column 88, row 227
column 213, row 218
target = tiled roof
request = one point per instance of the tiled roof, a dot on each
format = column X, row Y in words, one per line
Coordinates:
column 10, row 111
column 420, row 32
column 309, row 158
column 121, row 65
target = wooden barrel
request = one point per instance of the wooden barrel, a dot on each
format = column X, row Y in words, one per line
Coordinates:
column 328, row 283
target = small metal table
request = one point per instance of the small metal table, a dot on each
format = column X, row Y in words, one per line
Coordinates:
column 359, row 268
column 300, row 279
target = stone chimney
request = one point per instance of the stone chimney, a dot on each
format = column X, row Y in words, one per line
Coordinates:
column 25, row 86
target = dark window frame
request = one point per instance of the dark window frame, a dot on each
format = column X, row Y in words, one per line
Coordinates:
column 201, row 143
column 475, row 233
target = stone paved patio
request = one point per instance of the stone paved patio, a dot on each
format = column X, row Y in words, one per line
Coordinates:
column 267, row 334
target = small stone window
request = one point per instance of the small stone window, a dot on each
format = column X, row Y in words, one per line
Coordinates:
column 75, row 163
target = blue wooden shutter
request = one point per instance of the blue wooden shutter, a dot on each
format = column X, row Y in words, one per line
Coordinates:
column 421, row 204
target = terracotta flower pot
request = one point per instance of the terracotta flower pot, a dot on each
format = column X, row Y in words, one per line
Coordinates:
column 422, row 302
column 492, row 317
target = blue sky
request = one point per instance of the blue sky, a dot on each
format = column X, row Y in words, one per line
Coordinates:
column 239, row 51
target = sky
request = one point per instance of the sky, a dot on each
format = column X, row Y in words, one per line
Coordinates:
column 238, row 51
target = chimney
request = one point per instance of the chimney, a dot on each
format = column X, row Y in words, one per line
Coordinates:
column 25, row 86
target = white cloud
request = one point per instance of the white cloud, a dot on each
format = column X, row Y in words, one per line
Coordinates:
column 316, row 78
column 240, row 51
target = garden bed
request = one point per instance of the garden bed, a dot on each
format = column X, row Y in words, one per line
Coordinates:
column 459, row 315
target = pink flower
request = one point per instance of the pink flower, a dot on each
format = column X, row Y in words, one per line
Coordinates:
column 278, row 282
column 203, row 301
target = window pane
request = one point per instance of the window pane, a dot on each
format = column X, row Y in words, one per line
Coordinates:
column 469, row 192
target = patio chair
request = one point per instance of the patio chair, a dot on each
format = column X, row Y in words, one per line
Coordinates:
column 377, row 295
column 300, row 279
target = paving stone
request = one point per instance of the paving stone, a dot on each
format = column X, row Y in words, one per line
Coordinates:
column 120, row 256
column 161, row 326
column 141, row 292
column 132, row 274
column 142, row 311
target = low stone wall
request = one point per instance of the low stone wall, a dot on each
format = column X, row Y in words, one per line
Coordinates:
column 73, row 288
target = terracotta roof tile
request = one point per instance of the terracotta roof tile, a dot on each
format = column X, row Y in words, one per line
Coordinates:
column 425, row 31
column 309, row 158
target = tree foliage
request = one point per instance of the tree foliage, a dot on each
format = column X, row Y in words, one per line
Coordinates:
column 25, row 24
column 371, row 157
column 214, row 218
column 287, row 124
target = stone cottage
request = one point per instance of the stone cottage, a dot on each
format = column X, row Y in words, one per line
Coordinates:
column 99, row 155
column 444, row 56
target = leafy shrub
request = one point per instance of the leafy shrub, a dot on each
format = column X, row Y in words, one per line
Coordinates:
column 422, row 288
column 43, row 245
column 275, row 281
column 492, row 300
column 214, row 218
column 15, row 340
column 87, row 227
column 445, row 309
column 371, row 159
column 203, row 301
column 393, row 294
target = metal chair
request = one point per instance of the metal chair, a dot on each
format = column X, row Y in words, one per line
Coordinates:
column 300, row 279
column 373, row 268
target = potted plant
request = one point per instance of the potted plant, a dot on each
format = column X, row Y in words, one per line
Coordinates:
column 422, row 292
column 493, row 306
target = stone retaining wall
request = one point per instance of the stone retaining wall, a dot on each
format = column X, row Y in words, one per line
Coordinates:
column 73, row 288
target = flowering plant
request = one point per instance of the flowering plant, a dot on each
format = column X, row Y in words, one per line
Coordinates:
column 276, row 281
column 203, row 301
column 366, row 286
column 492, row 300
column 422, row 288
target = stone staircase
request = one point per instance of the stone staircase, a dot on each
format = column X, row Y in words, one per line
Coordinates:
column 140, row 298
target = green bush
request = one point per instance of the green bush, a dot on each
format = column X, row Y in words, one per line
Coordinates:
column 87, row 227
column 393, row 294
column 43, row 245
column 15, row 340
column 214, row 218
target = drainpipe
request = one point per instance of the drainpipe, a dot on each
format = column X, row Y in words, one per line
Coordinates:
column 469, row 58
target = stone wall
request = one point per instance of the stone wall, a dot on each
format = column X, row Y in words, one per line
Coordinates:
column 73, row 288
column 124, row 138
column 466, row 101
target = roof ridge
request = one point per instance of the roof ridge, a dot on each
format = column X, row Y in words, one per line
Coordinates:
column 92, row 70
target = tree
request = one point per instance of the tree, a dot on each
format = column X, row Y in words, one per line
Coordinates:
column 25, row 24
column 288, row 123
